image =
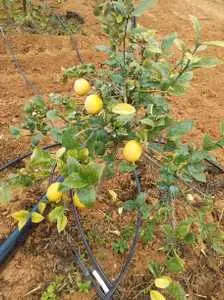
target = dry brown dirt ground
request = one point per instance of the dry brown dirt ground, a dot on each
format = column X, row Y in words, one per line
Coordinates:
column 44, row 254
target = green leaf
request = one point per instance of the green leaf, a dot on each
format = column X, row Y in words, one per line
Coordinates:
column 180, row 128
column 143, row 6
column 36, row 139
column 92, row 172
column 155, row 295
column 148, row 121
column 197, row 173
column 168, row 41
column 15, row 132
column 176, row 290
column 52, row 114
column 5, row 194
column 208, row 143
column 215, row 43
column 204, row 62
column 130, row 205
column 197, row 29
column 56, row 213
column 87, row 196
column 189, row 239
column 21, row 181
column 120, row 246
column 68, row 140
column 73, row 181
column 222, row 128
column 126, row 167
column 148, row 231
column 36, row 217
column 154, row 268
column 175, row 264
column 183, row 229
column 180, row 45
column 62, row 221
column 41, row 158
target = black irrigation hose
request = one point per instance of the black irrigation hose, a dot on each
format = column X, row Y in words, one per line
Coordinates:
column 86, row 244
column 18, row 236
column 19, row 159
column 125, row 266
column 28, row 82
column 86, row 272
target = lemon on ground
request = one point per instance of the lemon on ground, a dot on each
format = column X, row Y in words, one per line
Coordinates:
column 82, row 87
column 77, row 202
column 123, row 109
column 93, row 104
column 53, row 194
column 132, row 151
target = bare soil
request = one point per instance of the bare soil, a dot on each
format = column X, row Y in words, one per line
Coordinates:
column 45, row 255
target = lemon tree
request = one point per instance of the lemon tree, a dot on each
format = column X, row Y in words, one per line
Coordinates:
column 128, row 113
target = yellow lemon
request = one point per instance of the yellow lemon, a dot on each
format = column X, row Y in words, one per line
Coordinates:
column 123, row 109
column 77, row 202
column 82, row 87
column 132, row 151
column 53, row 194
column 93, row 104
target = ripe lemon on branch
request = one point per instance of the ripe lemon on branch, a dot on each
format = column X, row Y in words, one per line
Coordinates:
column 82, row 87
column 77, row 202
column 93, row 104
column 132, row 151
column 53, row 194
column 123, row 109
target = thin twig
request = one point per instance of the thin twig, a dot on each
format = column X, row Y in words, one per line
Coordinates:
column 33, row 290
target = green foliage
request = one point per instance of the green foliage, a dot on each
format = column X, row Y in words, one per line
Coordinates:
column 58, row 215
column 51, row 292
column 175, row 264
column 120, row 246
column 84, row 287
column 39, row 17
column 138, row 204
column 5, row 194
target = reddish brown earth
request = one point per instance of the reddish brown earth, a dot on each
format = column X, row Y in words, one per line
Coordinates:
column 44, row 254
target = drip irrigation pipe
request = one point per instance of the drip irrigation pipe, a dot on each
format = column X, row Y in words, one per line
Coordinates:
column 125, row 266
column 28, row 82
column 86, row 243
column 18, row 236
column 20, row 158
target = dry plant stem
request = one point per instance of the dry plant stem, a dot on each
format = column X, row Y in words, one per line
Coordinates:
column 28, row 82
column 173, row 215
column 75, row 47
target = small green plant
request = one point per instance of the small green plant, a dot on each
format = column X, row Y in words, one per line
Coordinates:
column 120, row 246
column 51, row 292
column 84, row 287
